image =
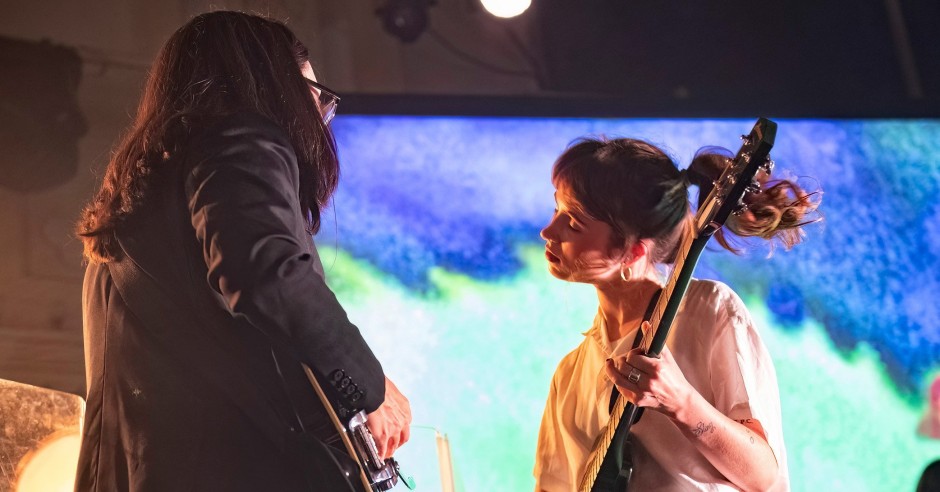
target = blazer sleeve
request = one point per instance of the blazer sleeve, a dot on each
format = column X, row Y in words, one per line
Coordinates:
column 242, row 191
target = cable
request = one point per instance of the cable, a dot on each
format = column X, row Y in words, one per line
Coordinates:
column 902, row 45
column 463, row 55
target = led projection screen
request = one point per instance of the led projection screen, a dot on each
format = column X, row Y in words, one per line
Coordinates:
column 432, row 245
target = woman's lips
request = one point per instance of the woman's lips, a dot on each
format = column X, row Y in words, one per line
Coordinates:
column 550, row 257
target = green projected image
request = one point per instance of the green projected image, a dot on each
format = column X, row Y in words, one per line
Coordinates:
column 435, row 253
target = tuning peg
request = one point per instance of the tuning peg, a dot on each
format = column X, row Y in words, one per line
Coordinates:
column 740, row 209
column 746, row 157
column 768, row 165
column 753, row 188
column 746, row 139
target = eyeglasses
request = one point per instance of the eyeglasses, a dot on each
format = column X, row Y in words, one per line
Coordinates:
column 328, row 100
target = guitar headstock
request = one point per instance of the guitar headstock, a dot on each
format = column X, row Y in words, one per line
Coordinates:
column 739, row 179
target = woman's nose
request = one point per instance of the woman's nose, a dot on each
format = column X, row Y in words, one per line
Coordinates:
column 547, row 233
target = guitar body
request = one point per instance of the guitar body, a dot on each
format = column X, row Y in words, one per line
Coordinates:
column 617, row 467
column 361, row 469
column 330, row 468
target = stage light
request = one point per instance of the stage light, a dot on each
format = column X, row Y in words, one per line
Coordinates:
column 40, row 433
column 405, row 19
column 51, row 467
column 506, row 8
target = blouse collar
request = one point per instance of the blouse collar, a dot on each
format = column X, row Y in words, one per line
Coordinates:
column 598, row 332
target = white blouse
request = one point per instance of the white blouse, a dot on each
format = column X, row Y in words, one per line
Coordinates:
column 722, row 356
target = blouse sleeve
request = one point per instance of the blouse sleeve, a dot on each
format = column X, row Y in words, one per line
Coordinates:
column 734, row 357
column 551, row 472
column 244, row 206
column 742, row 372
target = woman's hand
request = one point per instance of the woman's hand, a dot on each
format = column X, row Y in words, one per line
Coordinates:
column 649, row 382
column 737, row 449
column 390, row 424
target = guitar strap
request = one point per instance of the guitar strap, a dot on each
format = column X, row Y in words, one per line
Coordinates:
column 144, row 297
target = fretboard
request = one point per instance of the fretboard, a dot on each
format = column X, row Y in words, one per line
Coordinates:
column 660, row 323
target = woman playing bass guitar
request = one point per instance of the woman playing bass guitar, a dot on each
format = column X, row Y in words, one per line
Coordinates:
column 713, row 411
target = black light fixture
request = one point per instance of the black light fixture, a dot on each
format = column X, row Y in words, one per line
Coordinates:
column 405, row 19
column 40, row 118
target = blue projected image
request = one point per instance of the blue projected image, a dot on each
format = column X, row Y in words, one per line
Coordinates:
column 436, row 255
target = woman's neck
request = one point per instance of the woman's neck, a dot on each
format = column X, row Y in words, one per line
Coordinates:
column 623, row 305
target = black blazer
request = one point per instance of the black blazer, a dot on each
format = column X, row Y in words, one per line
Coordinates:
column 221, row 237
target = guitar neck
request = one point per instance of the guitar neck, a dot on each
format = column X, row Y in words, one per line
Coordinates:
column 673, row 291
column 661, row 321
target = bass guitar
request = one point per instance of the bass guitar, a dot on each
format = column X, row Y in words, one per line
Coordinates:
column 373, row 473
column 609, row 470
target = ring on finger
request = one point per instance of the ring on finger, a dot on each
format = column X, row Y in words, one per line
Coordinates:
column 634, row 376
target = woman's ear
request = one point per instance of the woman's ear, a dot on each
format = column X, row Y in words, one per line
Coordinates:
column 639, row 250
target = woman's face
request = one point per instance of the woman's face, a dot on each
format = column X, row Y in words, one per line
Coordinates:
column 324, row 99
column 578, row 247
column 307, row 70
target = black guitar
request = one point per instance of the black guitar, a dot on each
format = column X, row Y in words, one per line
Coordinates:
column 608, row 469
column 373, row 473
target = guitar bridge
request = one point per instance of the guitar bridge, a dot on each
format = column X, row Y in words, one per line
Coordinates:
column 382, row 475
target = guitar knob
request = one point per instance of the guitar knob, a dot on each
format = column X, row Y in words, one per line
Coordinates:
column 768, row 166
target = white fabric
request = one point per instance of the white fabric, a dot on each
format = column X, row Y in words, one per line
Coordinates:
column 720, row 353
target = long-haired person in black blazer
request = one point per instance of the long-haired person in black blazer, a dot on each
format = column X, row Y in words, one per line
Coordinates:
column 204, row 291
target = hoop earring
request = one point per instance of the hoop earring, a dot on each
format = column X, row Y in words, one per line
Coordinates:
column 628, row 274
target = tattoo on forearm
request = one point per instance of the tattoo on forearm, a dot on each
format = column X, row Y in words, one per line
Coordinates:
column 702, row 428
column 750, row 435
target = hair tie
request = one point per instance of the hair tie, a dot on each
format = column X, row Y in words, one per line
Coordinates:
column 684, row 177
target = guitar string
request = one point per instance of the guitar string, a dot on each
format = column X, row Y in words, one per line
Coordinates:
column 600, row 449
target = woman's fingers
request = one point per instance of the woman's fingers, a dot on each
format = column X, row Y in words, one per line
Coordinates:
column 636, row 391
column 390, row 423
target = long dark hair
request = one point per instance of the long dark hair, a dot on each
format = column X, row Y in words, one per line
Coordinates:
column 638, row 190
column 217, row 64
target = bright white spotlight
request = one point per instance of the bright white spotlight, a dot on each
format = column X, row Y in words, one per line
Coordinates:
column 51, row 467
column 506, row 8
